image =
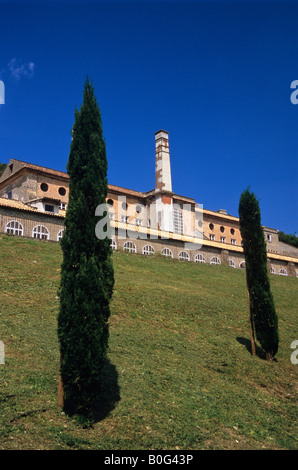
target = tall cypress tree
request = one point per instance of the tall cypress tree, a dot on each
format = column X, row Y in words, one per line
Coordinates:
column 262, row 307
column 87, row 275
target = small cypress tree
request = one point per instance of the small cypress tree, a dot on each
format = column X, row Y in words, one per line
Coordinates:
column 87, row 275
column 262, row 307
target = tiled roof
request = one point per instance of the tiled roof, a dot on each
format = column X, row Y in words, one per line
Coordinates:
column 44, row 169
column 13, row 204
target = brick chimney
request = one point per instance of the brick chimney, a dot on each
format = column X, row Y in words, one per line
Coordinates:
column 163, row 179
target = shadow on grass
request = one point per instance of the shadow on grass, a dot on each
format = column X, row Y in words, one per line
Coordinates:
column 109, row 393
column 247, row 343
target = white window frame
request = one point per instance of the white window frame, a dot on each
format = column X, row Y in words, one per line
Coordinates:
column 113, row 244
column 184, row 256
column 124, row 219
column 242, row 264
column 269, row 237
column 233, row 241
column 167, row 252
column 130, row 247
column 139, row 222
column 232, row 263
column 60, row 235
column 199, row 258
column 223, row 239
column 283, row 272
column 148, row 250
column 212, row 237
column 13, row 227
column 215, row 260
column 42, row 232
column 272, row 270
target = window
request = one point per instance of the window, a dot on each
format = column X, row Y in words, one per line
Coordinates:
column 215, row 260
column 233, row 241
column 62, row 206
column 60, row 235
column 223, row 239
column 232, row 231
column 211, row 226
column 14, row 228
column 167, row 252
column 177, row 221
column 138, row 209
column 268, row 237
column 49, row 208
column 62, row 191
column 283, row 272
column 148, row 250
column 232, row 264
column 110, row 202
column 11, row 167
column 184, row 256
column 113, row 244
column 212, row 237
column 272, row 270
column 124, row 206
column 242, row 265
column 138, row 222
column 124, row 218
column 129, row 246
column 40, row 232
column 44, row 187
column 199, row 258
column 9, row 195
column 222, row 229
column 148, row 223
column 111, row 215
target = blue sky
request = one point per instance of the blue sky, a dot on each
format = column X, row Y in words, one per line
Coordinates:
column 215, row 75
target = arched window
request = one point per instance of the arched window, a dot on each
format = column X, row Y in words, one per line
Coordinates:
column 41, row 232
column 242, row 265
column 272, row 270
column 199, row 258
column 215, row 260
column 60, row 235
column 167, row 252
column 232, row 263
column 14, row 228
column 113, row 244
column 283, row 272
column 148, row 250
column 184, row 256
column 129, row 246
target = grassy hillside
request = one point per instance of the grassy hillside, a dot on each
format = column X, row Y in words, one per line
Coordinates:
column 179, row 375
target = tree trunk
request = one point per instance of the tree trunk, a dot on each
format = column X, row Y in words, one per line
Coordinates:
column 60, row 389
column 252, row 335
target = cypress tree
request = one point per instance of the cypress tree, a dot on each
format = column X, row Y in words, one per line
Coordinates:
column 87, row 275
column 263, row 314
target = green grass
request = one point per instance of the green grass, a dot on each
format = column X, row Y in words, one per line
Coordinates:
column 180, row 374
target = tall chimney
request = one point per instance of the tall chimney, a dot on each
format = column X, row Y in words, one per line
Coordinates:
column 163, row 179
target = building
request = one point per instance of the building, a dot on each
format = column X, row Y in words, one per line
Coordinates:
column 33, row 203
